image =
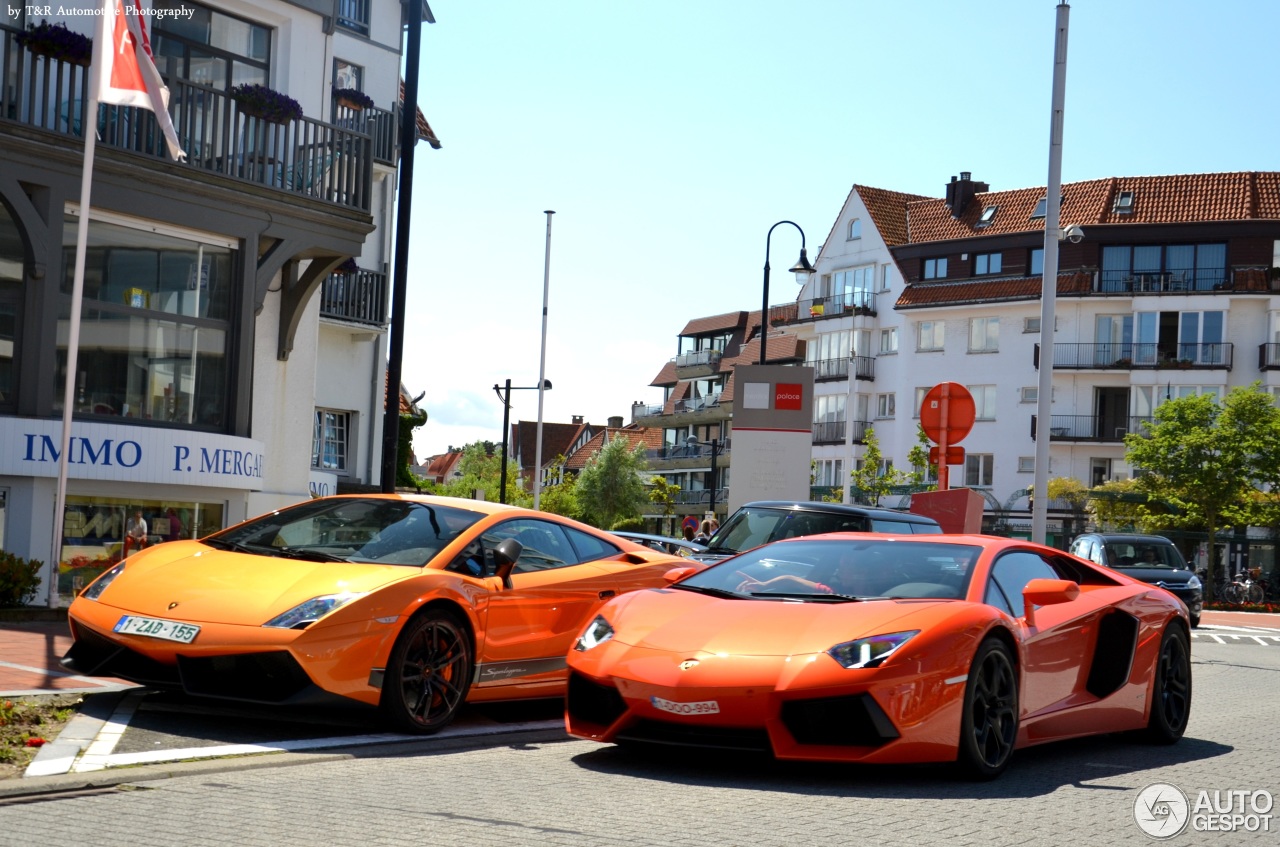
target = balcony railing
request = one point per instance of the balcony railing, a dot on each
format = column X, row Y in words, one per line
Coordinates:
column 825, row 493
column 829, row 369
column 645, row 410
column 302, row 157
column 359, row 296
column 698, row 358
column 829, row 432
column 699, row 496
column 1269, row 356
column 701, row 450
column 1092, row 427
column 1139, row 356
column 697, row 404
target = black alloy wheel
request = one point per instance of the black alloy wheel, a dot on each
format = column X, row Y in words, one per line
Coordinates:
column 989, row 723
column 1171, row 688
column 428, row 675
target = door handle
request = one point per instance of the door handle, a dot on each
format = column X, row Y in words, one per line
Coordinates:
column 607, row 593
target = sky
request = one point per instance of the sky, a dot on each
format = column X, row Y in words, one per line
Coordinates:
column 668, row 136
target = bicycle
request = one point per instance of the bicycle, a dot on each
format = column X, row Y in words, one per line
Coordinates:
column 1244, row 587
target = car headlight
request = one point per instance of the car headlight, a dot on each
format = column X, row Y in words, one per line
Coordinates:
column 597, row 632
column 870, row 652
column 1194, row 582
column 100, row 584
column 305, row 614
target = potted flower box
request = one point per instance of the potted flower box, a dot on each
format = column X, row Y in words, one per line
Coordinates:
column 258, row 101
column 57, row 42
column 353, row 98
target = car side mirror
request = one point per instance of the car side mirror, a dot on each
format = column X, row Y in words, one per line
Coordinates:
column 1047, row 592
column 505, row 556
column 677, row 574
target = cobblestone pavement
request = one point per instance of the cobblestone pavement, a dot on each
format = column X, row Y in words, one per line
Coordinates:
column 579, row 793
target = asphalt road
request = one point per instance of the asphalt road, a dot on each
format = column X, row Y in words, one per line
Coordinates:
column 536, row 787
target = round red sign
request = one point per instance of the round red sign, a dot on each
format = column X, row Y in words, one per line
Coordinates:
column 959, row 416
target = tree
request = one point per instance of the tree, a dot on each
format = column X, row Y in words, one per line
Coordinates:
column 663, row 495
column 404, row 449
column 1072, row 492
column 1208, row 461
column 481, row 468
column 561, row 498
column 1116, row 506
column 921, row 468
column 610, row 487
column 868, row 483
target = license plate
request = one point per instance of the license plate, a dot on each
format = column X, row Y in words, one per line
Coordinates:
column 702, row 707
column 155, row 628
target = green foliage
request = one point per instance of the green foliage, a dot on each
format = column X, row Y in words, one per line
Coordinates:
column 562, row 498
column 663, row 494
column 629, row 525
column 404, row 449
column 481, row 468
column 868, row 483
column 1207, row 461
column 611, row 487
column 918, row 458
column 19, row 579
column 1117, row 506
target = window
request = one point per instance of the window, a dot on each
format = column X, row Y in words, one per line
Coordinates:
column 852, row 288
column 210, row 47
column 828, row 472
column 1163, row 267
column 329, row 446
column 984, row 401
column 886, row 277
column 1029, row 394
column 984, row 335
column 354, row 15
column 1010, row 575
column 978, row 469
column 829, row 408
column 929, row 335
column 1026, row 464
column 921, row 391
column 347, row 75
column 855, row 229
column 830, row 346
column 988, row 215
column 935, row 268
column 157, row 306
column 888, row 341
column 987, row 263
column 1037, row 261
column 545, row 545
column 1124, row 203
column 1030, row 324
column 885, row 405
column 1042, row 206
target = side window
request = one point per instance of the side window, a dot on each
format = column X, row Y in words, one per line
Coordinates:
column 1011, row 574
column 588, row 547
column 926, row 529
column 883, row 525
column 545, row 544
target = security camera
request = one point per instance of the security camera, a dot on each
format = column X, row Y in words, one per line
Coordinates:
column 1073, row 233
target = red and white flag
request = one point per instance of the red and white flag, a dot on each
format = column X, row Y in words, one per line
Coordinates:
column 124, row 69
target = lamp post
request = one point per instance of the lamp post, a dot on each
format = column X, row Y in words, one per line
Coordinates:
column 504, row 394
column 542, row 366
column 802, row 269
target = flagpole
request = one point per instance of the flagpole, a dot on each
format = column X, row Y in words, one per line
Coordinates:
column 89, row 121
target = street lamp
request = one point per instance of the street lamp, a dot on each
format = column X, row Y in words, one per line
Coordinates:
column 802, row 269
column 504, row 394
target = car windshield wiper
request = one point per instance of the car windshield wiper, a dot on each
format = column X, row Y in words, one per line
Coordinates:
column 223, row 544
column 702, row 589
column 307, row 554
column 728, row 550
column 802, row 595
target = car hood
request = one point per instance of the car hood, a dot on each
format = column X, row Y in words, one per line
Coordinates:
column 1169, row 576
column 221, row 586
column 684, row 622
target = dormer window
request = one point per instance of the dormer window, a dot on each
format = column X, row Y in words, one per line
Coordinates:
column 855, row 229
column 1042, row 206
column 988, row 215
column 1124, row 203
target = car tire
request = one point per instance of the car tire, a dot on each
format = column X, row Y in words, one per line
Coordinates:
column 1170, row 688
column 428, row 674
column 989, row 720
column 1195, row 621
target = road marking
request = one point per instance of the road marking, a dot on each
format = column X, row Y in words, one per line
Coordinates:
column 1239, row 638
column 97, row 755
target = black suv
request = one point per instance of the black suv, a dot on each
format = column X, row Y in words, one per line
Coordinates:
column 1150, row 558
column 773, row 520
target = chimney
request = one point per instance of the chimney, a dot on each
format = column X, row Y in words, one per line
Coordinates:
column 577, row 419
column 616, row 421
column 960, row 192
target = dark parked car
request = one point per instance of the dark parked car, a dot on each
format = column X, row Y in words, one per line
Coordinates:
column 674, row 546
column 1150, row 558
column 773, row 520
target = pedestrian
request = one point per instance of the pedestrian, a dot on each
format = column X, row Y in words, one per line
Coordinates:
column 688, row 533
column 135, row 532
column 704, row 532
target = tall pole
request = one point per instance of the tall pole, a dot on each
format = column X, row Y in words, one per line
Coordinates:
column 715, row 447
column 764, row 308
column 506, row 428
column 399, row 280
column 1049, row 283
column 542, row 366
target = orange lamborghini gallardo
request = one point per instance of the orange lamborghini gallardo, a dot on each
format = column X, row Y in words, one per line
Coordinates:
column 414, row 604
column 877, row 648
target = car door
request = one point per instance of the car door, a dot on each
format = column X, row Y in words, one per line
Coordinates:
column 1056, row 649
column 529, row 627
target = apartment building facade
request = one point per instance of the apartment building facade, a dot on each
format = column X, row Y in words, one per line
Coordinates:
column 233, row 344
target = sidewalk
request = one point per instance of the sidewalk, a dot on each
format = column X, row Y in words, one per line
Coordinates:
column 29, row 654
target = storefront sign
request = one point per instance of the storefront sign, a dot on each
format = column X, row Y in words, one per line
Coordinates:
column 131, row 454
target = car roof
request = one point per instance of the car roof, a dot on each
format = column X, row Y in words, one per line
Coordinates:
column 665, row 539
column 1134, row 537
column 839, row 509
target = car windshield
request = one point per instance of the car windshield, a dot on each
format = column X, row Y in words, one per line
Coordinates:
column 821, row 568
column 385, row 531
column 1143, row 554
column 752, row 526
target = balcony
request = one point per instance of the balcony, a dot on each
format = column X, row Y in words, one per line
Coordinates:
column 834, row 432
column 1236, row 279
column 328, row 162
column 359, row 296
column 819, row 308
column 1095, row 428
column 833, row 369
column 1269, row 357
column 702, row 496
column 1139, row 356
column 698, row 363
